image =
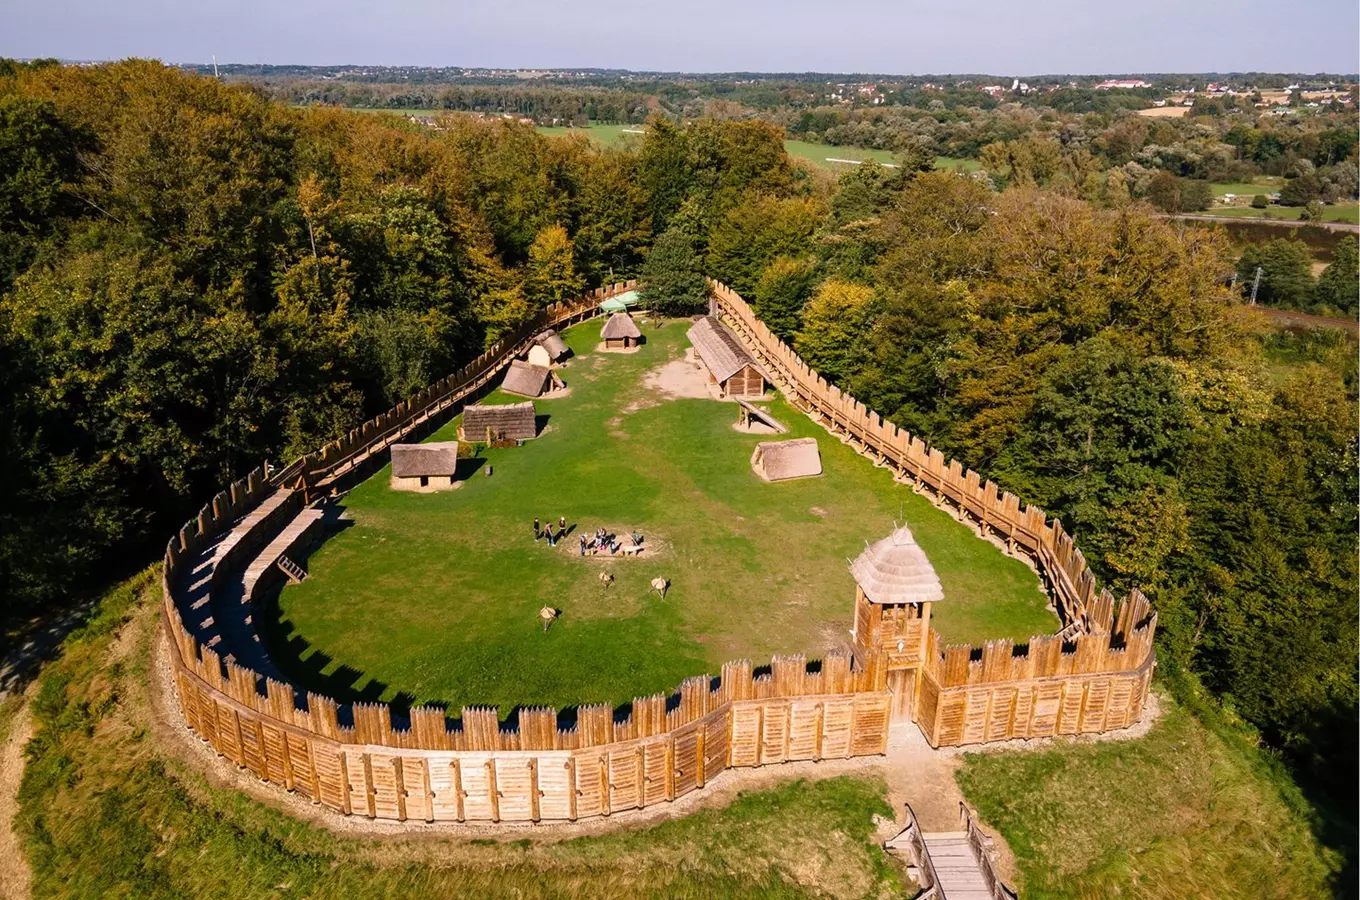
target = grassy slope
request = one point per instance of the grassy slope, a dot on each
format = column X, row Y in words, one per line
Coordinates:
column 1192, row 810
column 107, row 813
column 438, row 594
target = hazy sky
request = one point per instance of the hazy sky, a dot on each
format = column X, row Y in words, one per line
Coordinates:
column 902, row 37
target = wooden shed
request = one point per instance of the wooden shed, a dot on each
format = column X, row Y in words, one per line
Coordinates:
column 526, row 379
column 896, row 586
column 494, row 424
column 425, row 467
column 729, row 365
column 782, row 460
column 620, row 332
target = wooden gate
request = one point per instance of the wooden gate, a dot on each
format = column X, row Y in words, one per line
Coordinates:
column 902, row 684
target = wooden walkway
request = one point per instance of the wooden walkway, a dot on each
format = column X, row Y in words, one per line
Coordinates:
column 950, row 865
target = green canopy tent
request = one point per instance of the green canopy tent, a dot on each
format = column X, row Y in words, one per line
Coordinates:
column 620, row 302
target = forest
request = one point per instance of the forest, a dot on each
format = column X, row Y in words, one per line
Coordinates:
column 195, row 277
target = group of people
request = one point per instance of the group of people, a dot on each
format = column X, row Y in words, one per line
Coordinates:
column 603, row 540
column 546, row 531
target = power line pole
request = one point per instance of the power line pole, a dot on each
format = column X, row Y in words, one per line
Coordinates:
column 1256, row 285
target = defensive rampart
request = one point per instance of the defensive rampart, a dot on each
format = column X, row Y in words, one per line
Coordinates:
column 369, row 759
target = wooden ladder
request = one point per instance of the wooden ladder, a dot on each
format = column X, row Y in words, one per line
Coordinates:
column 294, row 571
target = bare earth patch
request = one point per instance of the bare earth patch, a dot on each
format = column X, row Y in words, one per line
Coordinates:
column 14, row 872
column 682, row 377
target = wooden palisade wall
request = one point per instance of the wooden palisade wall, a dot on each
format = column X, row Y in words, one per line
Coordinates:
column 364, row 759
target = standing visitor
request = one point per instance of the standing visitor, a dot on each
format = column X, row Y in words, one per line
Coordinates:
column 536, row 529
column 562, row 522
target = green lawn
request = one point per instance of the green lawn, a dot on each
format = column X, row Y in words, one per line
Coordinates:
column 605, row 135
column 1337, row 212
column 1266, row 184
column 437, row 595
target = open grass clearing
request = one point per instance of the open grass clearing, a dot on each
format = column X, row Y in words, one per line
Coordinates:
column 1335, row 212
column 108, row 810
column 435, row 597
column 1265, row 184
column 1191, row 810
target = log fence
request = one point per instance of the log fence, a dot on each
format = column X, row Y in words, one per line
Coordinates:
column 419, row 765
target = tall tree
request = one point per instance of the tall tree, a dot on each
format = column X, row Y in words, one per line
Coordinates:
column 672, row 280
column 550, row 273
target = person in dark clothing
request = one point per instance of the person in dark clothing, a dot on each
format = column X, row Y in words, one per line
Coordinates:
column 537, row 530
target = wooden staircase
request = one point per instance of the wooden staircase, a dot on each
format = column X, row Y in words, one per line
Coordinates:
column 950, row 865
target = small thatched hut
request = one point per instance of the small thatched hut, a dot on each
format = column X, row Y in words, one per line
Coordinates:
column 729, row 365
column 552, row 342
column 620, row 332
column 492, row 424
column 526, row 380
column 781, row 460
column 425, row 467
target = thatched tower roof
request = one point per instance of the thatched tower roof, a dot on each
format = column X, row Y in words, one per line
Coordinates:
column 719, row 348
column 620, row 326
column 778, row 460
column 436, row 459
column 506, row 422
column 896, row 570
column 553, row 343
column 525, row 379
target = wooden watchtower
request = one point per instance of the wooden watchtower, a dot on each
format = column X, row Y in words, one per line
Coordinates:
column 895, row 587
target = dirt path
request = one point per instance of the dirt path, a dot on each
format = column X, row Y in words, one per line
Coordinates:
column 14, row 872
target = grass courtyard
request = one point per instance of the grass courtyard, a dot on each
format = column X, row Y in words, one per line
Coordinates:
column 435, row 597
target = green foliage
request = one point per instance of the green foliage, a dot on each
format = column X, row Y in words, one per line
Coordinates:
column 1173, row 194
column 1338, row 287
column 754, row 233
column 1301, row 191
column 784, row 287
column 672, row 280
column 1286, row 273
column 835, row 322
column 1260, row 201
column 550, row 275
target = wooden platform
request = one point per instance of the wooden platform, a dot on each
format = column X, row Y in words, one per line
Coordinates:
column 950, row 865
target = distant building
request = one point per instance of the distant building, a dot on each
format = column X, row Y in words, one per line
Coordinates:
column 1122, row 84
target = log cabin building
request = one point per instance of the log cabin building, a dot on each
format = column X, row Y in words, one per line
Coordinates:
column 729, row 365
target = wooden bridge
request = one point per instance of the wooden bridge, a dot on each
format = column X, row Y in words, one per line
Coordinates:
column 950, row 865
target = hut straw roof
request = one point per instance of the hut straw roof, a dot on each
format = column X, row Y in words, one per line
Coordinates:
column 525, row 379
column 797, row 458
column 512, row 421
column 437, row 459
column 719, row 348
column 896, row 570
column 620, row 326
column 553, row 343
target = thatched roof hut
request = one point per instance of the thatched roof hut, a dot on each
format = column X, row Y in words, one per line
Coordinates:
column 729, row 364
column 552, row 342
column 896, row 570
column 621, row 331
column 424, row 467
column 505, row 422
column 781, row 460
column 525, row 379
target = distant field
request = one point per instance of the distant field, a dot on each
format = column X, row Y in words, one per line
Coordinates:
column 1266, row 184
column 1165, row 112
column 827, row 156
column 605, row 135
column 1340, row 212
